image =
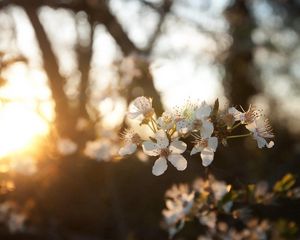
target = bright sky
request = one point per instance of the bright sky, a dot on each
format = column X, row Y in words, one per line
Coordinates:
column 26, row 92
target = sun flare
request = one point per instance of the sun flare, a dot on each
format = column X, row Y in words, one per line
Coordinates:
column 19, row 127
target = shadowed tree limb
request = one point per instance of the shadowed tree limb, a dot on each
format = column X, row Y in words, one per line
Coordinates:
column 56, row 81
column 240, row 81
column 163, row 11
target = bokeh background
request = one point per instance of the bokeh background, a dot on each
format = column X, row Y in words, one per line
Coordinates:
column 70, row 68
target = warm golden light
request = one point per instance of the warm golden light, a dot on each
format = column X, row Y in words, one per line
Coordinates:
column 24, row 94
column 19, row 126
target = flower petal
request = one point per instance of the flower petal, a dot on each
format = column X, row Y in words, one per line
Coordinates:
column 196, row 149
column 261, row 142
column 178, row 161
column 203, row 111
column 213, row 143
column 252, row 127
column 177, row 147
column 182, row 127
column 160, row 166
column 127, row 149
column 207, row 156
column 150, row 148
column 133, row 115
column 207, row 129
column 270, row 144
column 233, row 111
column 162, row 139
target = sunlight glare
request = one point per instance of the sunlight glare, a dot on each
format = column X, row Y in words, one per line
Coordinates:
column 19, row 126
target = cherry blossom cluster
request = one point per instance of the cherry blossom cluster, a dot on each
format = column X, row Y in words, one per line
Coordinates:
column 207, row 125
column 216, row 206
column 12, row 217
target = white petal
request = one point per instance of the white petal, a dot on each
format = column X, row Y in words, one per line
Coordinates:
column 160, row 122
column 127, row 149
column 203, row 112
column 177, row 147
column 270, row 144
column 182, row 127
column 238, row 116
column 261, row 142
column 162, row 139
column 233, row 111
column 150, row 148
column 207, row 129
column 213, row 143
column 142, row 103
column 160, row 166
column 207, row 156
column 252, row 126
column 178, row 161
column 133, row 115
column 195, row 150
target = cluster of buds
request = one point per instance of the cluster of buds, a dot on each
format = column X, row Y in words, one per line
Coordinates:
column 208, row 125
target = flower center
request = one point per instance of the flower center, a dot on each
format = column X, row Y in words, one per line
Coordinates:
column 136, row 139
column 197, row 124
column 149, row 113
column 164, row 152
column 167, row 119
column 203, row 143
column 229, row 120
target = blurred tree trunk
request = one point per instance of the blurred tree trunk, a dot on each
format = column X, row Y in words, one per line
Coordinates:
column 98, row 12
column 63, row 112
column 240, row 80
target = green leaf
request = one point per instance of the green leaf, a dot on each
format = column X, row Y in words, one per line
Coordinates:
column 285, row 184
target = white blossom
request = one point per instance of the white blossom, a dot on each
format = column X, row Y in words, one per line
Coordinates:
column 202, row 122
column 101, row 150
column 166, row 150
column 208, row 218
column 12, row 217
column 179, row 204
column 245, row 117
column 66, row 146
column 207, row 147
column 25, row 165
column 261, row 130
column 184, row 118
column 166, row 121
column 141, row 107
column 183, row 126
column 132, row 140
column 16, row 222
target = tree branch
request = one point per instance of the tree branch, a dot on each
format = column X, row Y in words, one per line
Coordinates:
column 51, row 67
